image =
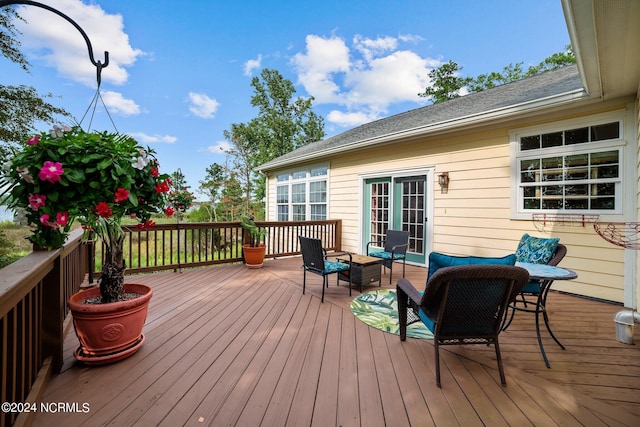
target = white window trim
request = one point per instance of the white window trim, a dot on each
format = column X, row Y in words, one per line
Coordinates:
column 627, row 157
column 306, row 180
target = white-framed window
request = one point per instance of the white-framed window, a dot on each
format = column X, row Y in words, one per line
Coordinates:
column 570, row 167
column 301, row 194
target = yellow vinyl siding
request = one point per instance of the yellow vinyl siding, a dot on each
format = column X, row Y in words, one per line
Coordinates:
column 473, row 217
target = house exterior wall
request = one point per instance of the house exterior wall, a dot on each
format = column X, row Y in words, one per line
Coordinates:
column 473, row 217
column 634, row 303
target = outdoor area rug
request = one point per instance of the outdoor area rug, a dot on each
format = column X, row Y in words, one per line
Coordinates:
column 379, row 309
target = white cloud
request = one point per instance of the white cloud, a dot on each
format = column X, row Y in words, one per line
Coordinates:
column 53, row 40
column 317, row 67
column 410, row 38
column 116, row 103
column 371, row 48
column 365, row 78
column 351, row 119
column 202, row 105
column 221, row 147
column 396, row 77
column 251, row 65
column 150, row 139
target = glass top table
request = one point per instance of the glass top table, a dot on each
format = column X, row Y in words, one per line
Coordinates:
column 547, row 272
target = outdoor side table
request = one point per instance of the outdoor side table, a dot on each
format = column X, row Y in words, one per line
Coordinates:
column 365, row 270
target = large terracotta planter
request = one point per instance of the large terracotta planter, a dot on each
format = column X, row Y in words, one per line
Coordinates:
column 254, row 256
column 109, row 332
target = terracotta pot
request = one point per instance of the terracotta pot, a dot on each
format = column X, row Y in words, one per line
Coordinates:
column 254, row 256
column 109, row 332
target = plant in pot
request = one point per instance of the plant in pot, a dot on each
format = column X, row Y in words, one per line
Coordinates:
column 97, row 179
column 254, row 250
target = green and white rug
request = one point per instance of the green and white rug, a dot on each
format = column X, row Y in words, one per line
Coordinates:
column 379, row 309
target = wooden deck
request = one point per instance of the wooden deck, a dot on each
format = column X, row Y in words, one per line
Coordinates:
column 232, row 346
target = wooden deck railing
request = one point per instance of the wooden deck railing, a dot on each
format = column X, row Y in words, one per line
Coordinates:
column 34, row 289
column 33, row 295
column 184, row 245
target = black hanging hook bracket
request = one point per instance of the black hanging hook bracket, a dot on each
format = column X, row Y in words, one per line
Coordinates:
column 99, row 65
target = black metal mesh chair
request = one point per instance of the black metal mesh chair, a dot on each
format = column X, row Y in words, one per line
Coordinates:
column 314, row 260
column 395, row 249
column 462, row 305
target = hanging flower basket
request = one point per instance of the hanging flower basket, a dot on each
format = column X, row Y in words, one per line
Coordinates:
column 95, row 178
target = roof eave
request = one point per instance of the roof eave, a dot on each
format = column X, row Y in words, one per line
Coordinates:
column 446, row 126
column 582, row 34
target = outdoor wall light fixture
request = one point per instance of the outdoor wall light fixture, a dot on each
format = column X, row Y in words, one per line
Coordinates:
column 443, row 180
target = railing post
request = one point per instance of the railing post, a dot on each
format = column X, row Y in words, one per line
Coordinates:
column 53, row 314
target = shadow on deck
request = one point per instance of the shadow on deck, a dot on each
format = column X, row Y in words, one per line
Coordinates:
column 232, row 346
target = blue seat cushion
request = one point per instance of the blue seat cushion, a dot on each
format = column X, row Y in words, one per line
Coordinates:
column 385, row 255
column 533, row 287
column 427, row 322
column 438, row 260
column 334, row 267
column 536, row 250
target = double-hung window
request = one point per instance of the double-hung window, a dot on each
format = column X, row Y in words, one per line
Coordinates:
column 301, row 194
column 573, row 168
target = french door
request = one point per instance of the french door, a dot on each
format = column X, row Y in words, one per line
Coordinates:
column 398, row 203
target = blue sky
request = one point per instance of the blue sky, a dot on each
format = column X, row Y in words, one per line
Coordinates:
column 180, row 71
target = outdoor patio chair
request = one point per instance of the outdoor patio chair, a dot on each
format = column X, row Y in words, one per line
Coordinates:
column 531, row 292
column 395, row 249
column 463, row 304
column 314, row 260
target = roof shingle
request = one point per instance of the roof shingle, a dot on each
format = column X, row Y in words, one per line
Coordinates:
column 549, row 84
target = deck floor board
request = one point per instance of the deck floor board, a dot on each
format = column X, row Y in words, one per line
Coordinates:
column 231, row 346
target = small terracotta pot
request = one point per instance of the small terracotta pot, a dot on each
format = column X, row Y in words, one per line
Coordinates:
column 109, row 332
column 254, row 256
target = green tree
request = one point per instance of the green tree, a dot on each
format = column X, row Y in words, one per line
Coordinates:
column 211, row 186
column 282, row 125
column 231, row 202
column 22, row 107
column 446, row 84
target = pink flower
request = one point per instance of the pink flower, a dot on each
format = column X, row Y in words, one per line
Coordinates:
column 62, row 218
column 51, row 171
column 36, row 201
column 34, row 140
column 121, row 194
column 44, row 220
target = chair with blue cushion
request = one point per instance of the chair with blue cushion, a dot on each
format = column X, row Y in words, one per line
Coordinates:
column 395, row 247
column 315, row 260
column 537, row 250
column 463, row 303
